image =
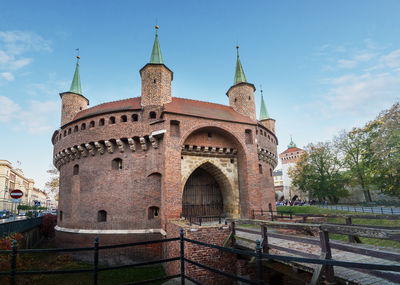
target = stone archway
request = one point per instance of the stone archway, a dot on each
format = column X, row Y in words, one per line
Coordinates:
column 216, row 184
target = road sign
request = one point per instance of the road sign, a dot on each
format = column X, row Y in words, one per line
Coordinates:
column 16, row 194
column 37, row 203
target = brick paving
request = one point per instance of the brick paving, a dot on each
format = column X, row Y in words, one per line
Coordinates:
column 346, row 274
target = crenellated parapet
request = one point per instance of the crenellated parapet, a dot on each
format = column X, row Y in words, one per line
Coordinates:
column 209, row 151
column 110, row 146
column 267, row 156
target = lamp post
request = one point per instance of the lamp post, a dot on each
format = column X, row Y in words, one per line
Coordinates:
column 5, row 191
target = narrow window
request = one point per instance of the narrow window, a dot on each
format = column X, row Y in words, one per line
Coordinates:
column 154, row 81
column 248, row 137
column 235, row 99
column 260, row 168
column 256, row 132
column 209, row 135
column 249, row 98
column 61, row 215
column 83, row 127
column 270, row 172
column 112, row 120
column 69, row 131
column 76, row 129
column 60, row 136
column 124, row 119
column 152, row 115
column 91, row 124
column 116, row 164
column 232, row 160
column 175, row 131
column 65, row 133
column 102, row 216
column 134, row 118
column 101, row 122
column 80, row 108
column 153, row 212
column 76, row 169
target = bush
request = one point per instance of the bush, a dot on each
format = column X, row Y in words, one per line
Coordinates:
column 48, row 224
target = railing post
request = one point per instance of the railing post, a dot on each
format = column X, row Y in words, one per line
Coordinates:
column 270, row 211
column 381, row 210
column 233, row 233
column 391, row 209
column 190, row 220
column 259, row 263
column 200, row 220
column 96, row 261
column 262, row 214
column 348, row 222
column 252, row 214
column 182, row 243
column 264, row 235
column 326, row 250
column 219, row 219
column 290, row 213
column 14, row 248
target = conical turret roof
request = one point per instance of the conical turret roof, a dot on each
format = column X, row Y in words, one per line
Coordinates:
column 263, row 110
column 239, row 73
column 76, row 81
column 156, row 57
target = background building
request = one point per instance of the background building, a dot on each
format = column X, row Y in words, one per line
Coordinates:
column 289, row 158
column 13, row 178
column 278, row 182
column 129, row 166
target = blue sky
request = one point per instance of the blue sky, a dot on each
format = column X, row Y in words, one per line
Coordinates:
column 323, row 65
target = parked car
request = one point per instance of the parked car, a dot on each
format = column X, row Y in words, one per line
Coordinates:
column 5, row 214
column 22, row 213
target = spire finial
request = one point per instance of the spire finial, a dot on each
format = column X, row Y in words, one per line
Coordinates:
column 263, row 110
column 292, row 144
column 156, row 52
column 76, row 81
column 239, row 73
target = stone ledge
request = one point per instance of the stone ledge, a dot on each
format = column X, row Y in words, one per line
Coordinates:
column 87, row 231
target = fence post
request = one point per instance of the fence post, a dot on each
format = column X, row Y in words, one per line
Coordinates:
column 200, row 221
column 252, row 214
column 391, row 209
column 182, row 258
column 270, row 211
column 264, row 235
column 259, row 263
column 219, row 219
column 233, row 233
column 326, row 250
column 348, row 222
column 290, row 213
column 381, row 210
column 96, row 260
column 14, row 248
column 262, row 214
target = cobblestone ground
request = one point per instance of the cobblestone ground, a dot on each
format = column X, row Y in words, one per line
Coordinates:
column 341, row 272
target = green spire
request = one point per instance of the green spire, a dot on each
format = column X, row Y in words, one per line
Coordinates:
column 156, row 53
column 239, row 73
column 292, row 144
column 263, row 110
column 76, row 81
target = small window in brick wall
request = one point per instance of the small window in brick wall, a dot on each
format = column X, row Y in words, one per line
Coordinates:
column 152, row 115
column 76, row 129
column 154, row 212
column 116, row 164
column 134, row 118
column 83, row 127
column 101, row 122
column 61, row 215
column 76, row 169
column 91, row 125
column 102, row 216
column 65, row 133
column 260, row 168
column 69, row 131
column 248, row 137
column 175, row 131
column 112, row 120
column 124, row 119
column 270, row 172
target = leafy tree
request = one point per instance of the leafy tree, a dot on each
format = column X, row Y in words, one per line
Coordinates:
column 54, row 181
column 355, row 147
column 384, row 152
column 318, row 172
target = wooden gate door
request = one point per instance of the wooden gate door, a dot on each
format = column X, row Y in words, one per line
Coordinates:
column 201, row 195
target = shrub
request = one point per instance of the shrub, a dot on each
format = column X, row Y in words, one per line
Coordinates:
column 48, row 224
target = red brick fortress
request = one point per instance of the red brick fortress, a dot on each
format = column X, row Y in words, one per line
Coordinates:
column 129, row 166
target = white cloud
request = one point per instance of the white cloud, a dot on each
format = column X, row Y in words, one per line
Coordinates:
column 7, row 76
column 345, row 63
column 8, row 109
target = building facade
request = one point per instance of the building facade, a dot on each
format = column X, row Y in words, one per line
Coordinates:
column 10, row 179
column 127, row 167
column 289, row 159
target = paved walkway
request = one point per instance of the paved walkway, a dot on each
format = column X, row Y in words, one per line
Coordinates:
column 347, row 274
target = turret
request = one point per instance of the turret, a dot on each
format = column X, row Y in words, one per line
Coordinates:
column 73, row 101
column 241, row 94
column 156, row 79
column 268, row 122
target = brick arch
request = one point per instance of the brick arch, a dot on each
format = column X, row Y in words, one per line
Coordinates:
column 228, row 186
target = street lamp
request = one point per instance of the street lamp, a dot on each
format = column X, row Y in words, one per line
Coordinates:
column 5, row 191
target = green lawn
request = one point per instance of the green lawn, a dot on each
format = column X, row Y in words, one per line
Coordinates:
column 316, row 210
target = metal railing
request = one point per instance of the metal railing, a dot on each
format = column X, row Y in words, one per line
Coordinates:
column 258, row 254
column 362, row 209
column 200, row 220
column 19, row 226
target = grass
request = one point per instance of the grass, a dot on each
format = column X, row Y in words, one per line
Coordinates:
column 372, row 222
